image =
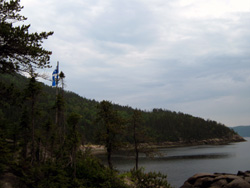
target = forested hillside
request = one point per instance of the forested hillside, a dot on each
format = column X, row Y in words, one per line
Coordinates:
column 162, row 125
column 42, row 130
column 38, row 126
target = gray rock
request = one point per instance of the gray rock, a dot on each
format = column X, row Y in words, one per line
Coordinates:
column 219, row 183
column 238, row 183
column 187, row 185
column 228, row 177
column 247, row 179
column 192, row 179
column 204, row 182
column 218, row 180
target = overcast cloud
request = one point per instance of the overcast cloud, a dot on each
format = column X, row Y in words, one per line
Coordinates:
column 191, row 56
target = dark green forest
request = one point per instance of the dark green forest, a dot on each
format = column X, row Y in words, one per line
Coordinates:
column 162, row 125
column 34, row 142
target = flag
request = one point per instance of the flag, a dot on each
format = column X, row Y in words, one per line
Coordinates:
column 55, row 77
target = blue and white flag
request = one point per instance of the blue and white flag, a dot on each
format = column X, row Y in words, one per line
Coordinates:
column 55, row 77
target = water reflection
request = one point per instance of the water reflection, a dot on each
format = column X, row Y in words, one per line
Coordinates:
column 167, row 154
column 198, row 156
column 183, row 162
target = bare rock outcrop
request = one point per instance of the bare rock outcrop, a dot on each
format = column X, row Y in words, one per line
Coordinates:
column 218, row 180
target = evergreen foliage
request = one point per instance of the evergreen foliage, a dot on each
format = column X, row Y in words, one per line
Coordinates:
column 32, row 143
column 19, row 49
column 149, row 180
column 111, row 123
column 139, row 135
column 90, row 173
column 161, row 125
column 32, row 146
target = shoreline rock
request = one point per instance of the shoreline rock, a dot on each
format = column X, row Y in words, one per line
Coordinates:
column 100, row 149
column 217, row 180
column 94, row 149
column 213, row 141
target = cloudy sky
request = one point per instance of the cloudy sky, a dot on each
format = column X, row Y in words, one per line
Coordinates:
column 191, row 56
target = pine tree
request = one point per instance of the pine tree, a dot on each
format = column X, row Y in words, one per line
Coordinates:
column 19, row 49
column 139, row 136
column 73, row 140
column 31, row 93
column 113, row 127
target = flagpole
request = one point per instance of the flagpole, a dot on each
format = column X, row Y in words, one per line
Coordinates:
column 57, row 78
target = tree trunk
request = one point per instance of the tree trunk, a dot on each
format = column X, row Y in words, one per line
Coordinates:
column 109, row 152
column 136, row 148
column 33, row 130
column 109, row 149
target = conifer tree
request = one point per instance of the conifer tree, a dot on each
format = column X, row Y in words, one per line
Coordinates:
column 19, row 49
column 31, row 93
column 4, row 146
column 61, row 107
column 73, row 139
column 113, row 127
column 137, row 134
column 140, row 136
column 24, row 133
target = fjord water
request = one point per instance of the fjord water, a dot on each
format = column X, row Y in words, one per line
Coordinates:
column 183, row 162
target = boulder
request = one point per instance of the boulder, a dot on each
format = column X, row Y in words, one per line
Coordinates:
column 218, row 180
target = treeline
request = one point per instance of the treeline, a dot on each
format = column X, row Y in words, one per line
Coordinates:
column 38, row 151
column 173, row 126
column 30, row 109
column 162, row 125
column 41, row 135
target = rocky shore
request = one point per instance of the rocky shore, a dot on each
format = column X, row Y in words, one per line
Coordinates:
column 99, row 149
column 213, row 141
column 218, row 180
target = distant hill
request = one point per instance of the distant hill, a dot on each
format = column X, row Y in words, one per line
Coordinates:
column 243, row 131
column 161, row 124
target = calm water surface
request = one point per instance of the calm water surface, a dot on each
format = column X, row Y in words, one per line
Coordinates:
column 181, row 163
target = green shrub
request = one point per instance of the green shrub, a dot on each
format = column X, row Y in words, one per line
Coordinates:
column 91, row 173
column 149, row 180
column 45, row 175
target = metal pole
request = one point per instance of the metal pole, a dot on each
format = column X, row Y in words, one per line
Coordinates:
column 57, row 77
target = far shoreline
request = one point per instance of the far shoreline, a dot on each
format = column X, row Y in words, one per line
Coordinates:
column 101, row 150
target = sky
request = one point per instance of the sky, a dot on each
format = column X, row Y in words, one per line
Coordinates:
column 190, row 56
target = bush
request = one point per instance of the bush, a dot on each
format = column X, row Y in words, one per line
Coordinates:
column 149, row 180
column 91, row 173
column 44, row 175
